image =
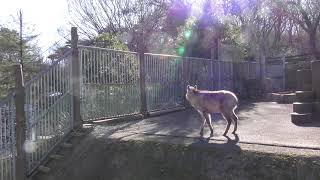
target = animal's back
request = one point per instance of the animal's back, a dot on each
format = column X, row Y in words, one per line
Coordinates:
column 214, row 101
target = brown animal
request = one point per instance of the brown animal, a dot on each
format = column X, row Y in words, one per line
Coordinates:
column 207, row 102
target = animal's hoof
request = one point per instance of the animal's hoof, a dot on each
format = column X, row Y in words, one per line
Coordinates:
column 211, row 134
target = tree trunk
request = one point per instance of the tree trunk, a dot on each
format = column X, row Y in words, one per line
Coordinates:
column 215, row 53
column 313, row 44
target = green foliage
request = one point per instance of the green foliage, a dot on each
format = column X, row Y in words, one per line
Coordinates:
column 6, row 78
column 10, row 54
column 198, row 36
column 9, row 45
column 105, row 101
column 233, row 36
column 185, row 33
column 106, row 40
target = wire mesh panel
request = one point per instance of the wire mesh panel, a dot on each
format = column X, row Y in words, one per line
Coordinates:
column 163, row 81
column 48, row 108
column 7, row 138
column 200, row 72
column 109, row 83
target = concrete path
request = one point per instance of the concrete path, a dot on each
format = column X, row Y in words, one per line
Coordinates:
column 263, row 126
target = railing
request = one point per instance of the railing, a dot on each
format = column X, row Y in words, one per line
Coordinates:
column 7, row 138
column 109, row 83
column 48, row 109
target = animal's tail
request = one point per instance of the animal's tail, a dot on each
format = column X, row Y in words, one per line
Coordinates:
column 234, row 116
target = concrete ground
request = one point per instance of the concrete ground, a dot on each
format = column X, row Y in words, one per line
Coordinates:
column 263, row 126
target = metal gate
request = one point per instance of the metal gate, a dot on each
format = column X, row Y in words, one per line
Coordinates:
column 109, row 83
column 163, row 81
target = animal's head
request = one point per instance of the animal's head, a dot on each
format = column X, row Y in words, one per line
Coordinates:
column 192, row 89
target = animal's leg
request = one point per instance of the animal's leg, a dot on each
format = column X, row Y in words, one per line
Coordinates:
column 208, row 119
column 203, row 121
column 229, row 120
column 235, row 120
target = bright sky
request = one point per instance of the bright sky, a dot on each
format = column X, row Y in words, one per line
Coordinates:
column 44, row 16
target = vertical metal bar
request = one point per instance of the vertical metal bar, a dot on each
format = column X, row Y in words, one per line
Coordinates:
column 117, row 82
column 232, row 76
column 219, row 74
column 106, row 92
column 103, row 81
column 160, row 68
column 46, row 115
column 85, row 74
column 284, row 73
column 248, row 69
column 112, row 74
column 158, row 64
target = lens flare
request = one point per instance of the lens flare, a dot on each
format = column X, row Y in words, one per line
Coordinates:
column 30, row 146
column 181, row 51
column 187, row 34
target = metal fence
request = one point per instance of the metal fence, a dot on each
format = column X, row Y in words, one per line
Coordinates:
column 48, row 109
column 7, row 138
column 199, row 72
column 109, row 87
column 282, row 70
column 109, row 83
column 163, row 81
column 110, row 80
column 217, row 75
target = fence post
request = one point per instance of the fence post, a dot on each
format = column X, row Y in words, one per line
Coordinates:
column 263, row 70
column 20, row 127
column 185, row 79
column 232, row 77
column 212, row 68
column 284, row 72
column 219, row 75
column 248, row 75
column 75, row 79
column 143, row 94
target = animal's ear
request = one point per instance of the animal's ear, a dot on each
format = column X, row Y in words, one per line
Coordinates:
column 195, row 86
column 188, row 87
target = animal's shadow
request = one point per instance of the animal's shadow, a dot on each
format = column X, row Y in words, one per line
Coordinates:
column 226, row 145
